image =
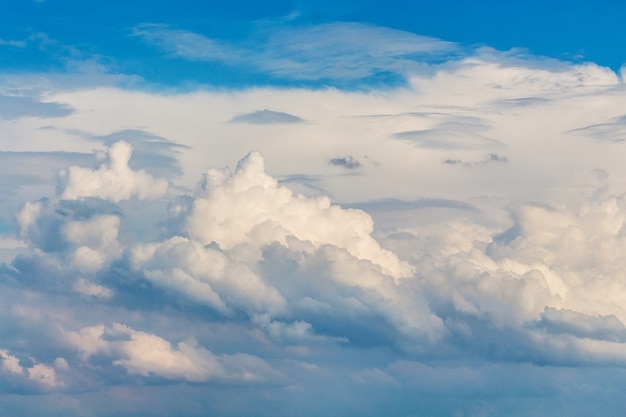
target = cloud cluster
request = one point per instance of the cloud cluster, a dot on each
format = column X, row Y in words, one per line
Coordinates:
column 283, row 271
column 248, row 248
column 38, row 374
column 250, row 245
column 149, row 355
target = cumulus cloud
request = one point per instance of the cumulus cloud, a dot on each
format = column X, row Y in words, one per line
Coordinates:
column 114, row 180
column 148, row 355
column 205, row 274
column 224, row 215
column 44, row 376
column 95, row 241
column 245, row 234
column 476, row 275
column 74, row 236
column 86, row 288
column 553, row 281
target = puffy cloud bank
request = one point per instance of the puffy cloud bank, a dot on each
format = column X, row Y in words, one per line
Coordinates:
column 491, row 283
column 296, row 272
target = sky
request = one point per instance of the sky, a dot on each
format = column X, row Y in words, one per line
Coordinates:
column 298, row 208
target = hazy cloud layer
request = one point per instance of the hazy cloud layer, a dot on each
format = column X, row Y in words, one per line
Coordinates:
column 14, row 107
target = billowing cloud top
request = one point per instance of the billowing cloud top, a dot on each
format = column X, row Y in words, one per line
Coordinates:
column 114, row 181
column 249, row 207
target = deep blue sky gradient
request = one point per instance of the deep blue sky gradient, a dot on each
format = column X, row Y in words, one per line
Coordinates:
column 566, row 30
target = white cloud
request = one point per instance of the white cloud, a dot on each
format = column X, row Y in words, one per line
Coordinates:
column 43, row 375
column 114, row 181
column 27, row 217
column 249, row 207
column 206, row 275
column 95, row 240
column 147, row 354
column 501, row 266
column 10, row 363
column 84, row 287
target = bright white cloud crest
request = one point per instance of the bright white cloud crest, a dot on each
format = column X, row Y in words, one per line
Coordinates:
column 249, row 207
column 114, row 181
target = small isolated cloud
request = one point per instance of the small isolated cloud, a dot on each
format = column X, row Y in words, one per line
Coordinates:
column 490, row 158
column 265, row 117
column 348, row 162
column 114, row 180
column 148, row 355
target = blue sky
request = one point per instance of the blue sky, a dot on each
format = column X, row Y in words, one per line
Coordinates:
column 353, row 208
column 51, row 33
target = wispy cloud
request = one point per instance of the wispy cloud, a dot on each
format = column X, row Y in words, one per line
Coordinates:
column 185, row 44
column 451, row 135
column 331, row 51
column 12, row 43
column 613, row 130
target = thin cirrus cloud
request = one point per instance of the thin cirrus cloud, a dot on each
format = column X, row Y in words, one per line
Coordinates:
column 332, row 51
